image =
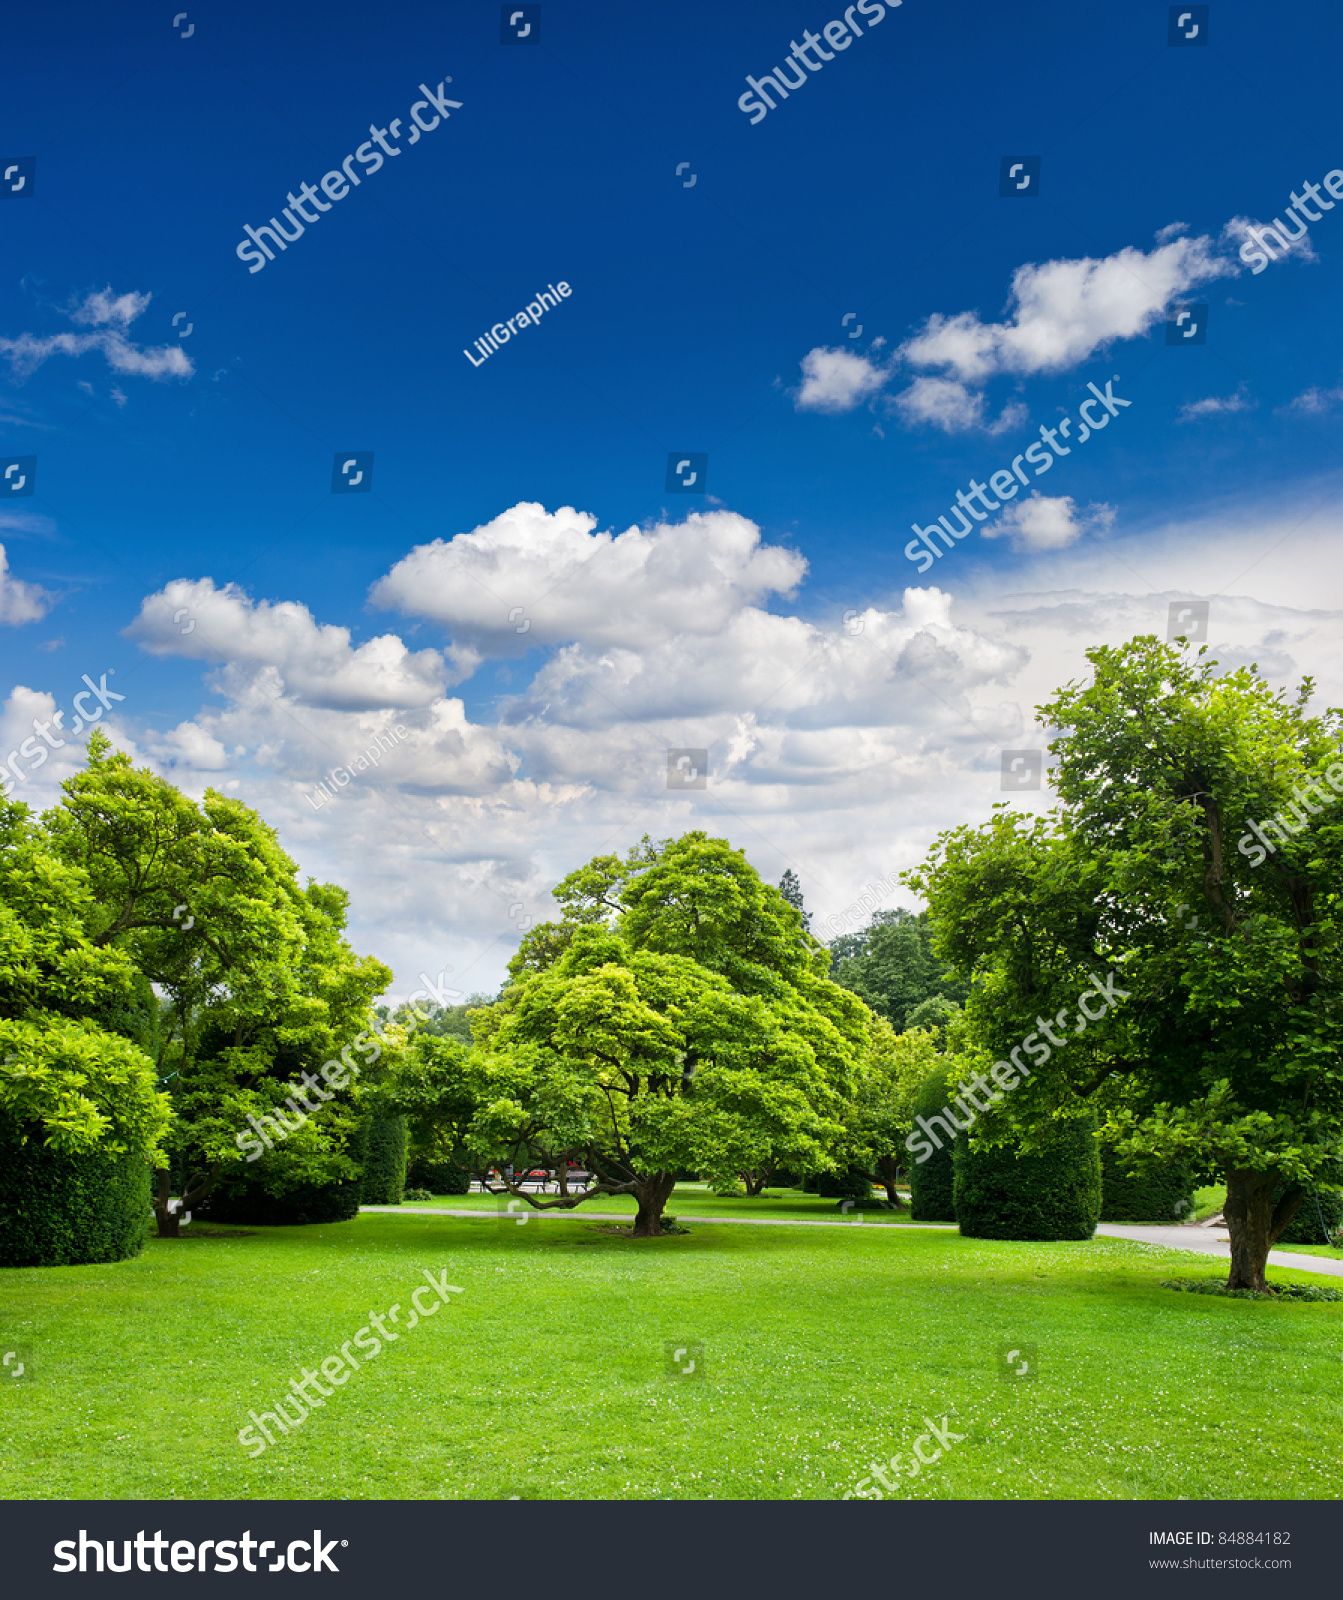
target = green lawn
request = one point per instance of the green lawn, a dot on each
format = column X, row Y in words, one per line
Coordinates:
column 821, row 1350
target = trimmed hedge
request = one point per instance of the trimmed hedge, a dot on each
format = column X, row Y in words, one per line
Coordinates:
column 1165, row 1195
column 439, row 1177
column 68, row 1210
column 306, row 1203
column 1304, row 1228
column 930, row 1182
column 385, row 1163
column 1054, row 1194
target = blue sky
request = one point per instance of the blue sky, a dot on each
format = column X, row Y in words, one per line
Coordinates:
column 171, row 468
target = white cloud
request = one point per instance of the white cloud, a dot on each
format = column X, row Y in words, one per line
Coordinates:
column 1239, row 229
column 19, row 601
column 532, row 577
column 1044, row 522
column 1216, row 406
column 838, row 750
column 110, row 314
column 836, row 380
column 315, row 665
column 101, row 308
column 1314, row 401
column 1061, row 312
column 951, row 406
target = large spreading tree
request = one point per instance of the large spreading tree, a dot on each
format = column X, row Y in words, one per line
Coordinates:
column 676, row 1017
column 1221, row 1039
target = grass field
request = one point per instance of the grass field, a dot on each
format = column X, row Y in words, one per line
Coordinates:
column 694, row 1200
column 821, row 1349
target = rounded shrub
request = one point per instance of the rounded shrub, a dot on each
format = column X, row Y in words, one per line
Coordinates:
column 1317, row 1219
column 1163, row 1195
column 385, row 1163
column 1053, row 1193
column 439, row 1177
column 59, row 1210
column 930, row 1181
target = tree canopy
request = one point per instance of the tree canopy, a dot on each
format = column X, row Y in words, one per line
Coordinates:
column 1224, row 1041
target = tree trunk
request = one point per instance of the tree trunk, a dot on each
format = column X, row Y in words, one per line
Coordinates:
column 1255, row 1224
column 755, row 1182
column 652, row 1195
column 889, row 1169
column 168, row 1221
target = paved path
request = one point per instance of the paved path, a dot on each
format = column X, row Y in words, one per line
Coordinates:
column 1216, row 1242
column 681, row 1216
column 1197, row 1241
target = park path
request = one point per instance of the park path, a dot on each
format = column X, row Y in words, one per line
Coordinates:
column 1197, row 1241
column 1215, row 1242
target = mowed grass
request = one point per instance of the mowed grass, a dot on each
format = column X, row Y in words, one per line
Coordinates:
column 821, row 1350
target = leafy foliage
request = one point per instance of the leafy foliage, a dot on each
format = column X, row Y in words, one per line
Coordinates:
column 1227, row 1046
column 891, row 964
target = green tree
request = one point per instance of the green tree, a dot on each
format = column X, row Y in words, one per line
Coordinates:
column 678, row 1018
column 881, row 1114
column 892, row 965
column 1222, row 1039
column 790, row 887
column 258, row 986
column 77, row 1094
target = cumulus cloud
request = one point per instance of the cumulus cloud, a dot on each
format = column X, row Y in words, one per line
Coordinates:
column 532, row 577
column 110, row 315
column 1216, row 406
column 19, row 601
column 313, row 663
column 1045, row 522
column 1061, row 312
column 836, row 380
